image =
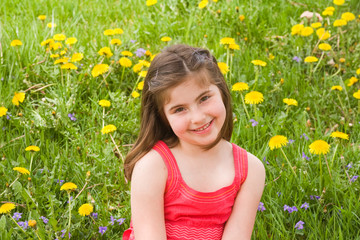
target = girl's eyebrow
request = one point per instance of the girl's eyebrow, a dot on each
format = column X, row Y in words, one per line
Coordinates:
column 197, row 98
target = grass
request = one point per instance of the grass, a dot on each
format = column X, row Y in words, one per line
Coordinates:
column 69, row 149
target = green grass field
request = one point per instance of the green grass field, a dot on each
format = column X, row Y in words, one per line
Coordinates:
column 44, row 104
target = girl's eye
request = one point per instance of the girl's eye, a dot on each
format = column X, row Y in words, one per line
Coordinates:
column 180, row 109
column 203, row 99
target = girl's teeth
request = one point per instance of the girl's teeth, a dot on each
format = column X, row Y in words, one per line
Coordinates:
column 203, row 128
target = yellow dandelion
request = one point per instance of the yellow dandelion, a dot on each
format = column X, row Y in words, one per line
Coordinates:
column 140, row 85
column 109, row 32
column 290, row 101
column 224, row 68
column 357, row 94
column 258, row 63
column 342, row 60
column 137, row 67
column 61, row 60
column 42, row 17
column 55, row 45
column 143, row 73
column 144, row 63
column 239, row 87
column 6, row 208
column 339, row 2
column 104, row 103
column 118, row 31
column 54, row 55
column 241, row 17
column 306, row 31
column 59, row 37
column 69, row 66
column 254, row 97
column 271, row 56
column 352, row 81
column 99, row 69
column 316, row 25
column 296, row 29
column 327, row 13
column 19, row 97
column 348, row 16
column 319, row 147
column 337, row 87
column 358, row 71
column 330, row 9
column 148, row 53
column 32, row 223
column 322, row 34
column 125, row 62
column 47, row 42
column 63, row 52
column 150, row 2
column 108, row 129
column 3, row 111
column 32, row 148
column 15, row 43
column 135, row 94
column 69, row 186
column 71, row 40
column 278, row 141
column 105, row 51
column 324, row 46
column 339, row 23
column 127, row 53
column 115, row 41
column 341, row 135
column 86, row 209
column 51, row 25
column 203, row 4
column 76, row 57
column 166, row 39
column 310, row 59
column 234, row 46
column 21, row 170
column 227, row 41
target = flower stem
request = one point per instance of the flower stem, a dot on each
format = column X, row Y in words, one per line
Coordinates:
column 37, row 234
column 255, row 112
column 103, row 117
column 292, row 169
column 122, row 76
column 69, row 215
column 31, row 161
column 322, row 55
column 256, row 76
column 332, row 160
column 122, row 158
column 243, row 102
column 321, row 178
column 328, row 168
column 18, row 226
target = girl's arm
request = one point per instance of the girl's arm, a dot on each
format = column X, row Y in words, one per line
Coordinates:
column 241, row 222
column 147, row 197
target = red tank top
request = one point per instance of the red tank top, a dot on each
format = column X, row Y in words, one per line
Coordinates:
column 190, row 214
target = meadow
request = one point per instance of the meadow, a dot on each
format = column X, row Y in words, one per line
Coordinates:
column 71, row 77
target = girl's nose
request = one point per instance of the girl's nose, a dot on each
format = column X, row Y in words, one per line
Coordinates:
column 197, row 116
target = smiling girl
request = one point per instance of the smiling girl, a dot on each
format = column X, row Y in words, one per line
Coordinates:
column 187, row 180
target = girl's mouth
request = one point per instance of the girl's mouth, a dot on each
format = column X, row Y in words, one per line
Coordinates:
column 203, row 127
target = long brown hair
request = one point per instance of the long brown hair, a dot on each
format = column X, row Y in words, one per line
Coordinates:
column 168, row 69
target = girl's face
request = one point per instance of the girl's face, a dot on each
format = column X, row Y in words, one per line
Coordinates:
column 195, row 112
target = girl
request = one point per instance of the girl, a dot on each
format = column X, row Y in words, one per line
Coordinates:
column 187, row 180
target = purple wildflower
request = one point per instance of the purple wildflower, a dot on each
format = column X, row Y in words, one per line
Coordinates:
column 278, row 193
column 286, row 207
column 60, row 181
column 261, row 207
column 140, row 52
column 291, row 141
column 297, row 59
column 304, row 135
column 290, row 209
column 353, row 179
column 314, row 196
column 63, row 233
column 121, row 221
column 299, row 225
column 102, row 230
column 304, row 156
column 305, row 205
column 264, row 160
column 350, row 165
column 24, row 225
column 3, row 128
column 8, row 116
column 112, row 220
column 17, row 216
column 133, row 41
column 253, row 122
column 72, row 116
column 71, row 198
column 94, row 215
column 45, row 220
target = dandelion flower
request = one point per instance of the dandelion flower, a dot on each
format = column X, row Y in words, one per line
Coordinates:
column 150, row 2
column 61, row 60
column 327, row 13
column 59, row 37
column 310, row 59
column 6, row 208
column 306, row 31
column 234, row 46
column 54, row 55
column 127, row 53
column 240, row 86
column 296, row 29
column 278, row 141
column 42, row 17
column 227, row 40
column 99, row 69
column 348, row 16
column 324, row 46
column 109, row 32
column 47, row 42
column 203, row 4
column 32, row 223
column 55, row 45
column 69, row 186
column 15, row 43
column 32, row 148
column 135, row 94
column 3, row 111
column 143, row 73
column 316, row 25
column 108, row 129
column 241, row 17
column 358, row 71
column 118, row 31
column 104, row 103
column 254, row 97
column 140, row 85
column 137, row 67
column 145, row 63
column 341, row 135
column 357, row 94
column 19, row 97
column 290, row 101
column 86, row 209
column 319, row 147
column 21, row 170
column 69, row 66
column 339, row 22
column 71, row 40
column 337, row 87
column 224, row 68
column 105, row 51
column 115, row 41
column 125, row 62
column 330, row 9
column 322, row 34
column 339, row 2
column 76, row 57
column 258, row 63
column 352, row 81
column 165, row 39
column 51, row 25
